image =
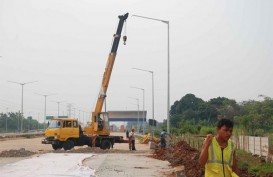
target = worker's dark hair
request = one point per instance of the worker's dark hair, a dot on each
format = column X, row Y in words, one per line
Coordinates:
column 225, row 122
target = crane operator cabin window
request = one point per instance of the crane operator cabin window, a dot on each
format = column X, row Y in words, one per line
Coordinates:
column 67, row 124
column 75, row 124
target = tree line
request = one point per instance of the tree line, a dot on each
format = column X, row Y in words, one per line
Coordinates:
column 13, row 121
column 191, row 114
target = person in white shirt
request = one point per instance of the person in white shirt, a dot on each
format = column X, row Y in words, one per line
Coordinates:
column 132, row 140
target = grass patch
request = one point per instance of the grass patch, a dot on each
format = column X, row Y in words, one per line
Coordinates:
column 262, row 170
column 247, row 157
column 253, row 164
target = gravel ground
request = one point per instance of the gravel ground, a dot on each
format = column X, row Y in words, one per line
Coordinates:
column 30, row 144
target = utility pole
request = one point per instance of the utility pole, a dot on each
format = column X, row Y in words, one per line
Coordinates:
column 143, row 93
column 58, row 102
column 45, row 105
column 153, row 99
column 38, row 121
column 22, row 105
column 137, row 112
column 69, row 107
column 7, row 120
column 168, row 67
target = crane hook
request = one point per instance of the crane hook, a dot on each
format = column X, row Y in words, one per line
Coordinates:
column 124, row 40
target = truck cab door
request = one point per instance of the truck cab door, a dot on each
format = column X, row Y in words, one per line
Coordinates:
column 69, row 130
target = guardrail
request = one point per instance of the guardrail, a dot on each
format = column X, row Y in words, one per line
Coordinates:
column 14, row 135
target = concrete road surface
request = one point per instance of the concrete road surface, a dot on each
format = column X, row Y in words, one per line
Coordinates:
column 117, row 162
column 128, row 165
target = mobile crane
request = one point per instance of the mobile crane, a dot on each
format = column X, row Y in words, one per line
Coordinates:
column 67, row 133
column 99, row 120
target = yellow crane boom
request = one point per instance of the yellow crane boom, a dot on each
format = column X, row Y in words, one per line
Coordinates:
column 99, row 121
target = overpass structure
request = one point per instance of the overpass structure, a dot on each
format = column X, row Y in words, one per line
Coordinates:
column 127, row 116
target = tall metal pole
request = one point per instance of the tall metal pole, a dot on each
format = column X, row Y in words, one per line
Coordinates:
column 29, row 121
column 38, row 121
column 7, row 121
column 58, row 108
column 22, row 104
column 153, row 97
column 45, row 107
column 143, row 117
column 58, row 102
column 79, row 115
column 168, row 102
column 83, row 118
column 137, row 113
column 7, row 124
column 45, row 111
column 168, row 68
column 143, row 92
column 18, row 122
column 138, row 116
column 22, row 108
column 153, row 107
column 74, row 109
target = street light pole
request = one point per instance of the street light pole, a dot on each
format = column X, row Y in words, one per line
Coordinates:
column 153, row 107
column 22, row 104
column 58, row 102
column 137, row 113
column 7, row 120
column 45, row 105
column 168, row 68
column 7, row 123
column 143, row 92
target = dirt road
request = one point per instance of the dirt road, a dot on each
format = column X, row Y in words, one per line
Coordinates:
column 114, row 162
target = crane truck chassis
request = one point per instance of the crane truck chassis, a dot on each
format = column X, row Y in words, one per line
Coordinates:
column 66, row 132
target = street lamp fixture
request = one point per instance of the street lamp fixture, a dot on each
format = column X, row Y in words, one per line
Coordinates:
column 22, row 104
column 143, row 114
column 168, row 68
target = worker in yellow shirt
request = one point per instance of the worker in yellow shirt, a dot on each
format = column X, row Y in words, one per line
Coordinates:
column 218, row 152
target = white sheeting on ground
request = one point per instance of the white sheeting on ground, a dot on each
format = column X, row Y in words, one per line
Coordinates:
column 49, row 165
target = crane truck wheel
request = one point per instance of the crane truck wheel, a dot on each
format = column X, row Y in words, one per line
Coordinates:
column 105, row 144
column 69, row 144
column 57, row 146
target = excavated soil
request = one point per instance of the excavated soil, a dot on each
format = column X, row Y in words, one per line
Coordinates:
column 182, row 153
column 17, row 153
column 25, row 153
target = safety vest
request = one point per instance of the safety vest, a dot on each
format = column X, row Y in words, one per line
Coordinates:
column 220, row 162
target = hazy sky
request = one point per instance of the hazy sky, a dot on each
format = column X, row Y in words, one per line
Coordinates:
column 217, row 48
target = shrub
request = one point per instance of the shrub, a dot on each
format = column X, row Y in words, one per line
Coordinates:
column 243, row 165
column 207, row 130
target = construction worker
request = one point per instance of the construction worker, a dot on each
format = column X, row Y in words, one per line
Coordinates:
column 132, row 140
column 218, row 152
column 127, row 134
column 163, row 139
